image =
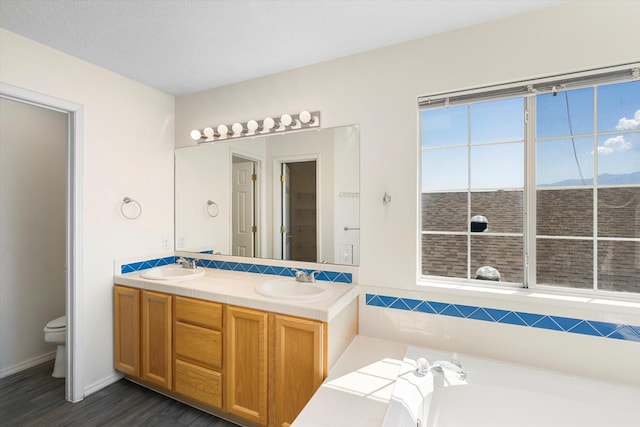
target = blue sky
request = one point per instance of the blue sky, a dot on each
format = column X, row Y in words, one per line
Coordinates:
column 501, row 165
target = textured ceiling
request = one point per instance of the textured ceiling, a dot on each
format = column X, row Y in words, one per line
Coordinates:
column 184, row 46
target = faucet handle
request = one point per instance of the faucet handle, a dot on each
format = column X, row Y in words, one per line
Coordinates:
column 312, row 275
column 301, row 275
column 455, row 360
column 422, row 367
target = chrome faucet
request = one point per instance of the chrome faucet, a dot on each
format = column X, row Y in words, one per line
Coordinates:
column 439, row 366
column 185, row 263
column 303, row 276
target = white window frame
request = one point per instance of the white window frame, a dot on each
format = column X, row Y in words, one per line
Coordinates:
column 527, row 89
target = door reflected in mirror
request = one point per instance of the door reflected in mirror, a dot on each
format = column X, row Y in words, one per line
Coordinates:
column 293, row 196
column 298, row 214
column 244, row 201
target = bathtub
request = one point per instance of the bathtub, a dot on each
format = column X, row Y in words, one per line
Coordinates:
column 500, row 394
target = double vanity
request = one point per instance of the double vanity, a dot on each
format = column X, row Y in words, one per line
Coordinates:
column 251, row 348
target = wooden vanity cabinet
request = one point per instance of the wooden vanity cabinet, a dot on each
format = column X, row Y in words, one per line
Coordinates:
column 143, row 334
column 198, row 350
column 157, row 332
column 246, row 364
column 298, row 365
column 274, row 364
column 257, row 366
column 126, row 303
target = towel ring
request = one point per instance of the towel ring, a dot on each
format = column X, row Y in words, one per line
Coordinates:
column 126, row 201
column 212, row 208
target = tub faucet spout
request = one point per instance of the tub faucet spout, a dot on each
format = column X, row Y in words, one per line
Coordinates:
column 441, row 365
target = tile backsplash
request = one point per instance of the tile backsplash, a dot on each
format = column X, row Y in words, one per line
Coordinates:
column 326, row 275
column 487, row 314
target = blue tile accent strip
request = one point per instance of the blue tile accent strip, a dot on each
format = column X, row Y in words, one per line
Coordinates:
column 554, row 323
column 330, row 276
column 150, row 263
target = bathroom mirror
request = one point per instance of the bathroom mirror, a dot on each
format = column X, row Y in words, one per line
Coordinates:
column 292, row 196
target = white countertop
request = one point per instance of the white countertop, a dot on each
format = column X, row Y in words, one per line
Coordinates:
column 359, row 386
column 238, row 288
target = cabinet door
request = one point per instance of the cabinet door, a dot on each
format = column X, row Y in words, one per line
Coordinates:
column 246, row 363
column 299, row 365
column 156, row 339
column 126, row 303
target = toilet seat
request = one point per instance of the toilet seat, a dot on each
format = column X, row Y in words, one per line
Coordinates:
column 56, row 325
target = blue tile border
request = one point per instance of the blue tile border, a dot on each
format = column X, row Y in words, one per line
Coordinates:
column 150, row 263
column 330, row 276
column 540, row 321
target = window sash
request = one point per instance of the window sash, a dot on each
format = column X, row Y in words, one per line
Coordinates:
column 529, row 90
column 539, row 86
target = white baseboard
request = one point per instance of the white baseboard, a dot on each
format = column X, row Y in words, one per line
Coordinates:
column 99, row 385
column 35, row 361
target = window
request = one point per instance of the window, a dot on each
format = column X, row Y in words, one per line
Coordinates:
column 535, row 184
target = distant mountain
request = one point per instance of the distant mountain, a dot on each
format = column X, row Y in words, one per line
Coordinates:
column 604, row 179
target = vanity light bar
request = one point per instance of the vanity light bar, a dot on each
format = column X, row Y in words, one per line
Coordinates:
column 285, row 123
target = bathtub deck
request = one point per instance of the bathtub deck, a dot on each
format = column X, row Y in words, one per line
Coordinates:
column 357, row 391
column 359, row 388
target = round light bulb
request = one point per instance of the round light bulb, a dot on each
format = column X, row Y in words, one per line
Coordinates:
column 208, row 132
column 252, row 125
column 286, row 120
column 268, row 123
column 305, row 117
column 237, row 129
column 223, row 130
column 196, row 135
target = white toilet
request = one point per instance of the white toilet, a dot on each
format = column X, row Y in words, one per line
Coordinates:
column 56, row 332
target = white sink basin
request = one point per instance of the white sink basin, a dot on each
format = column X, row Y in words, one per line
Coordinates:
column 172, row 272
column 290, row 289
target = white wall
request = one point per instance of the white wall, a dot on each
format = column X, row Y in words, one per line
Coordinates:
column 128, row 151
column 33, row 165
column 378, row 90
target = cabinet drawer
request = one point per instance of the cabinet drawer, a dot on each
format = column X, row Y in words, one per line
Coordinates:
column 198, row 312
column 198, row 345
column 199, row 383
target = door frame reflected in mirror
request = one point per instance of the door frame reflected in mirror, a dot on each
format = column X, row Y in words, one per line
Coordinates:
column 288, row 211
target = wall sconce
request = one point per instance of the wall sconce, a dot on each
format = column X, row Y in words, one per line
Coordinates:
column 286, row 122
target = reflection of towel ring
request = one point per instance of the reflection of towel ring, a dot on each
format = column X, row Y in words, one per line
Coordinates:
column 126, row 201
column 212, row 208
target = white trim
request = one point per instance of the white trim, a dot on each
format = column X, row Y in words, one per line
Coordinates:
column 99, row 385
column 74, row 385
column 26, row 364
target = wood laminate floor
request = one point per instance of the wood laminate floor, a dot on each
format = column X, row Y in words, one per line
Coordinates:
column 34, row 398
